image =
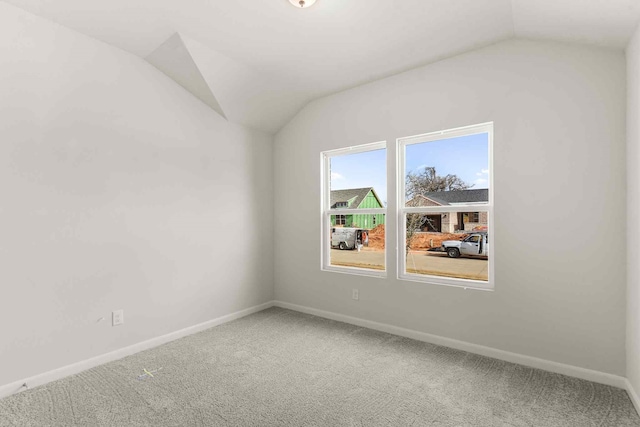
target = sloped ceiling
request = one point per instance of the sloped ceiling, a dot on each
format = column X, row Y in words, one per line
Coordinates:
column 259, row 62
column 235, row 91
column 606, row 23
column 175, row 60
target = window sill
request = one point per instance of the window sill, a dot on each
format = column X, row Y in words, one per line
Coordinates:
column 445, row 281
column 380, row 274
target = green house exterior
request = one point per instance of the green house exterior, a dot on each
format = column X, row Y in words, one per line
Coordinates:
column 356, row 198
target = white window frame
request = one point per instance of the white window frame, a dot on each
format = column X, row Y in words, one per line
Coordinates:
column 326, row 211
column 401, row 144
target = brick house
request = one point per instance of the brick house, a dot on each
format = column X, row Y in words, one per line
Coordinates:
column 449, row 222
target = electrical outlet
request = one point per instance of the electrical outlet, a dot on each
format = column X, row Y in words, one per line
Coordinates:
column 355, row 294
column 118, row 317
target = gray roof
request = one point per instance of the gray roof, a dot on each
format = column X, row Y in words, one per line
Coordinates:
column 459, row 196
column 350, row 193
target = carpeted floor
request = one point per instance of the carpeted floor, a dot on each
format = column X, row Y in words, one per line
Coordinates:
column 283, row 368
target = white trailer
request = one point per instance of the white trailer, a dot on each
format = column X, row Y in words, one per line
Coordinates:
column 347, row 237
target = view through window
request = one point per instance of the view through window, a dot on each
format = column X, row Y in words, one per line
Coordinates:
column 446, row 206
column 354, row 205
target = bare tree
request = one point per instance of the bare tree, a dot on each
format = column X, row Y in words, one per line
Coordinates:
column 428, row 180
column 414, row 223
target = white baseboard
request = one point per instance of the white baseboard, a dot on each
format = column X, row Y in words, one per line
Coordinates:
column 75, row 368
column 533, row 362
column 560, row 368
column 633, row 396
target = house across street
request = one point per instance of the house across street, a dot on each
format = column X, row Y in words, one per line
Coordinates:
column 450, row 222
column 356, row 198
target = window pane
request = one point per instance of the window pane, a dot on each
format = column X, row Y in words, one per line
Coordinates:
column 442, row 244
column 359, row 181
column 356, row 246
column 449, row 171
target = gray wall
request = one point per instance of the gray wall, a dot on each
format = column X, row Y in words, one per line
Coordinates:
column 559, row 115
column 119, row 190
column 633, row 212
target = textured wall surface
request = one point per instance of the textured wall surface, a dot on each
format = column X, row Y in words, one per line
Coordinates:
column 559, row 151
column 120, row 190
column 633, row 212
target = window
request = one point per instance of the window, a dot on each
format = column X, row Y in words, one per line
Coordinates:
column 473, row 239
column 471, row 217
column 445, row 205
column 354, row 188
column 445, row 208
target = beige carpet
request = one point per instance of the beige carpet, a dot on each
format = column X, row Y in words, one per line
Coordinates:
column 282, row 368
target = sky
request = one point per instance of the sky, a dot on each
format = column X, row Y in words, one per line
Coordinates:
column 368, row 169
column 465, row 156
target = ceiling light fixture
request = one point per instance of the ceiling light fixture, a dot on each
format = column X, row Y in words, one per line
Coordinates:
column 302, row 3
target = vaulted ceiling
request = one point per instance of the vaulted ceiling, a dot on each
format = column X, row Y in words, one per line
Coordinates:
column 262, row 60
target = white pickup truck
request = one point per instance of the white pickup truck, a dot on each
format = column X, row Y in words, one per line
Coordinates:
column 475, row 244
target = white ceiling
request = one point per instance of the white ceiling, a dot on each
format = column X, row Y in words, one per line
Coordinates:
column 295, row 55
